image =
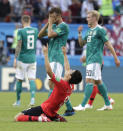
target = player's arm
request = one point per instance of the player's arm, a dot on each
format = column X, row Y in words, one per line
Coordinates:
column 43, row 32
column 66, row 62
column 17, row 51
column 51, row 33
column 110, row 47
column 47, row 64
column 80, row 40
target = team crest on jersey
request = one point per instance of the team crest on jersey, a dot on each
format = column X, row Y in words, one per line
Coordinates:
column 94, row 33
column 58, row 30
column 91, row 32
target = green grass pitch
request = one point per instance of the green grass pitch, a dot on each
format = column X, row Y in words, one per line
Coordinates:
column 89, row 120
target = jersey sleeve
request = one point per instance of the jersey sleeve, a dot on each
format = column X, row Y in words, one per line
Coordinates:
column 61, row 29
column 19, row 36
column 57, row 81
column 103, row 35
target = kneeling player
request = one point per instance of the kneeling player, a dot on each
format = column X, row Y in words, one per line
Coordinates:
column 63, row 88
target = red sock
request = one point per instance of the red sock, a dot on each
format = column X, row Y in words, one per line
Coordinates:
column 27, row 118
column 34, row 118
column 109, row 97
column 94, row 92
column 23, row 118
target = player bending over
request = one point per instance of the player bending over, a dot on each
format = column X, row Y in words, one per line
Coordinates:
column 63, row 88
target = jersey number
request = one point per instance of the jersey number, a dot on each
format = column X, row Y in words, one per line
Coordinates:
column 89, row 39
column 30, row 42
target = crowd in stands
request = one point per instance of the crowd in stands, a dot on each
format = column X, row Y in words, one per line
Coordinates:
column 73, row 11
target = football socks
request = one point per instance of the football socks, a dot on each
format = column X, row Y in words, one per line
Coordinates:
column 32, row 88
column 103, row 90
column 87, row 93
column 18, row 89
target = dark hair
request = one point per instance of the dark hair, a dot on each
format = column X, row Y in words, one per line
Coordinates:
column 55, row 10
column 26, row 18
column 76, row 77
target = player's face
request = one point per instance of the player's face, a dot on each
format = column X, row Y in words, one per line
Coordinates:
column 90, row 20
column 55, row 17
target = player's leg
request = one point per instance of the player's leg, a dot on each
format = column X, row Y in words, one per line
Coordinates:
column 20, row 77
column 32, row 114
column 31, row 72
column 103, row 90
column 101, row 86
column 54, row 67
column 57, row 69
column 92, row 97
column 110, row 99
column 90, row 76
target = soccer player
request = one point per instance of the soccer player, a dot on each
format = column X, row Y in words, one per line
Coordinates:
column 95, row 39
column 57, row 32
column 25, row 58
column 62, row 90
column 95, row 88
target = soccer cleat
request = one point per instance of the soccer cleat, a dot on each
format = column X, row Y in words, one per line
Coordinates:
column 32, row 102
column 88, row 106
column 112, row 101
column 79, row 108
column 17, row 103
column 105, row 108
column 69, row 112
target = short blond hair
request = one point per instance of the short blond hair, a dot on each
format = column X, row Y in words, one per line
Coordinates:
column 26, row 18
column 94, row 14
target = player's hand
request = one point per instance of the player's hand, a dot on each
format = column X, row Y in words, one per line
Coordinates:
column 117, row 62
column 51, row 20
column 64, row 50
column 45, row 49
column 80, row 28
column 15, row 63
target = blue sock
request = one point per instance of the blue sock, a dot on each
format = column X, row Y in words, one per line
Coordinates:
column 103, row 90
column 87, row 93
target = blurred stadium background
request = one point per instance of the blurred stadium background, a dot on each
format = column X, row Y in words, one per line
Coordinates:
column 74, row 13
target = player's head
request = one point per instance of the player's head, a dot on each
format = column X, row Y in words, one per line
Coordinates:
column 75, row 77
column 92, row 17
column 26, row 19
column 56, row 13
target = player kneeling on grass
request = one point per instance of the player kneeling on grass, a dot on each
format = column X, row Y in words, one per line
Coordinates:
column 63, row 88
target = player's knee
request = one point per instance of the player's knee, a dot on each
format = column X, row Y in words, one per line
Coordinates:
column 19, row 80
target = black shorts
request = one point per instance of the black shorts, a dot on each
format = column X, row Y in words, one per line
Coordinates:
column 34, row 111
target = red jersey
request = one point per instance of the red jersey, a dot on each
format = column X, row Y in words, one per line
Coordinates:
column 61, row 92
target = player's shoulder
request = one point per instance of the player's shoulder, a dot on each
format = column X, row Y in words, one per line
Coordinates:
column 64, row 25
column 101, row 28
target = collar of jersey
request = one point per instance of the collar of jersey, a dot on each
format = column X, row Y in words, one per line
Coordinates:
column 94, row 27
column 27, row 27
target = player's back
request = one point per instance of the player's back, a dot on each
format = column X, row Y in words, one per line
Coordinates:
column 28, row 35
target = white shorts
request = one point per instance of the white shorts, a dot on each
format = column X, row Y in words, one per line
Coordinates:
column 23, row 68
column 57, row 69
column 93, row 71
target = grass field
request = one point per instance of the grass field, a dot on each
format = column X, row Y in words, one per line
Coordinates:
column 89, row 120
